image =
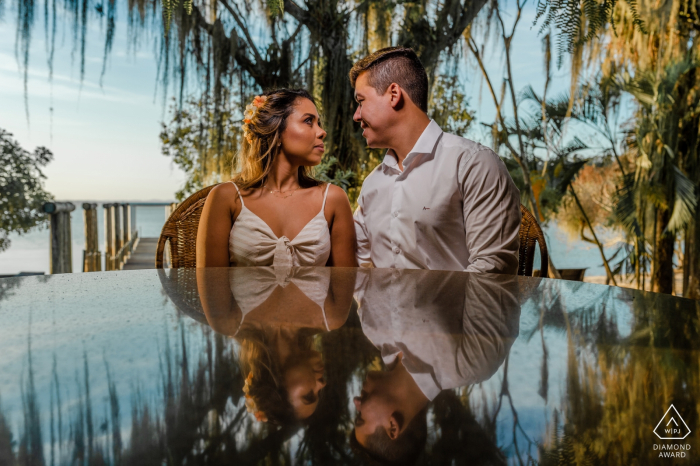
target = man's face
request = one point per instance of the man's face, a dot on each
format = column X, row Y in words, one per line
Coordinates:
column 374, row 406
column 374, row 112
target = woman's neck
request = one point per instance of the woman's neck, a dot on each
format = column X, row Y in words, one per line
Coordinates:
column 283, row 175
column 281, row 339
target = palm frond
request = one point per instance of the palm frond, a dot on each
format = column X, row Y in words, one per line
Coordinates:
column 685, row 201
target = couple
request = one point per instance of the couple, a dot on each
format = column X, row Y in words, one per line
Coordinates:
column 437, row 201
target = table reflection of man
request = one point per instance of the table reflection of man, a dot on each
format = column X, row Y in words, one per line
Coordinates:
column 435, row 331
column 274, row 313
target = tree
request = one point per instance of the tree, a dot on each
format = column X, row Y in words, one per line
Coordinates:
column 662, row 148
column 220, row 53
column 21, row 188
column 658, row 193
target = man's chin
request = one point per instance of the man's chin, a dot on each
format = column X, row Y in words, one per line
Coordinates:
column 372, row 144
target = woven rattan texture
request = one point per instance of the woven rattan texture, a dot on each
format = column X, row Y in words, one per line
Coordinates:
column 180, row 230
column 531, row 234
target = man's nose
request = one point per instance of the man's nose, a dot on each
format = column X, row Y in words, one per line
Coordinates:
column 321, row 382
column 356, row 402
column 358, row 114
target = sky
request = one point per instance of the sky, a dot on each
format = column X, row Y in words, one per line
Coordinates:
column 104, row 137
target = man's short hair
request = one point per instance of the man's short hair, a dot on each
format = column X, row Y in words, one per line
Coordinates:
column 398, row 65
column 405, row 450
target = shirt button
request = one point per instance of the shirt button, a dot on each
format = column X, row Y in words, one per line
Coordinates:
column 396, row 214
column 397, row 251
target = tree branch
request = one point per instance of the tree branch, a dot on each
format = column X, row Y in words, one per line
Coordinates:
column 243, row 28
column 595, row 237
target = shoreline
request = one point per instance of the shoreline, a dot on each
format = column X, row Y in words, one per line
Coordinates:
column 623, row 283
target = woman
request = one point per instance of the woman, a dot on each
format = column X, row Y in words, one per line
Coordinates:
column 273, row 212
column 274, row 315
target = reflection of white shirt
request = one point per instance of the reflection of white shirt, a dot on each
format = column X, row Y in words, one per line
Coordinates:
column 453, row 207
column 453, row 328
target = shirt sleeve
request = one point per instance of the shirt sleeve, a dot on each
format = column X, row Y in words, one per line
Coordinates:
column 363, row 247
column 491, row 208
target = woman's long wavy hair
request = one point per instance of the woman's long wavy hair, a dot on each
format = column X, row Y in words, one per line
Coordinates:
column 258, row 356
column 254, row 161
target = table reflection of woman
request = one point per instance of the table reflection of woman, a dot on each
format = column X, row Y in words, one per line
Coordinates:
column 274, row 314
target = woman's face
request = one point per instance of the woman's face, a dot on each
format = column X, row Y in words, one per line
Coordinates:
column 302, row 139
column 304, row 380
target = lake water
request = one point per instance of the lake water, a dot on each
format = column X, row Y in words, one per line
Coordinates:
column 30, row 252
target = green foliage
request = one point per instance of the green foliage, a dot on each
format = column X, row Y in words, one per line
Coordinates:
column 202, row 141
column 21, row 188
column 276, row 7
column 449, row 106
column 662, row 145
column 340, row 177
column 577, row 22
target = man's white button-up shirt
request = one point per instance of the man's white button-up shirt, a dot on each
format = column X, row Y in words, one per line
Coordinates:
column 453, row 207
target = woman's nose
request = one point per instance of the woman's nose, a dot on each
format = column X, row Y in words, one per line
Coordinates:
column 356, row 401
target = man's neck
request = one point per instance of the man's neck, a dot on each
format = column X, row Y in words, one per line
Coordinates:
column 412, row 399
column 407, row 135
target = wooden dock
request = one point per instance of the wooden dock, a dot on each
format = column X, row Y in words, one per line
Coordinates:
column 144, row 255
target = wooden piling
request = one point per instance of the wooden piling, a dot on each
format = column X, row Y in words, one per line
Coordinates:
column 110, row 241
column 118, row 229
column 60, row 233
column 92, row 259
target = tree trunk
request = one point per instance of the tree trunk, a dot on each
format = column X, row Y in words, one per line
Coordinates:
column 343, row 140
column 663, row 267
column 687, row 254
column 692, row 258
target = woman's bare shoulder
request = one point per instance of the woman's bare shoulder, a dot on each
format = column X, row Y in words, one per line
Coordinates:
column 224, row 193
column 337, row 197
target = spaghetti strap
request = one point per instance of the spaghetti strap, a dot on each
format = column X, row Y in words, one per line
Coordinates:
column 323, row 206
column 325, row 321
column 239, row 194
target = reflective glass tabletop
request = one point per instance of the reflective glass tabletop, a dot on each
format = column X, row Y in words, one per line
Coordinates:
column 344, row 366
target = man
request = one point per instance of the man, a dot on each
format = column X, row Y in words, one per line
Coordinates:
column 437, row 201
column 435, row 331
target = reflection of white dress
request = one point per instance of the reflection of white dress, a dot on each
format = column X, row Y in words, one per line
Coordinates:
column 252, row 242
column 251, row 287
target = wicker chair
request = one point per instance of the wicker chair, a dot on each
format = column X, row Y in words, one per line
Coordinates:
column 180, row 230
column 531, row 233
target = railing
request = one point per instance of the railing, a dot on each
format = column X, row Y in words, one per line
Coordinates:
column 121, row 236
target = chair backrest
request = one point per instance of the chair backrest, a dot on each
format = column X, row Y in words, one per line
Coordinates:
column 180, row 230
column 531, row 233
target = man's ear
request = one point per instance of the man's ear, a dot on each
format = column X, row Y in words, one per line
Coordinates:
column 395, row 96
column 395, row 425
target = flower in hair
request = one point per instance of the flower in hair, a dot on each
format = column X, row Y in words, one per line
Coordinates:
column 250, row 405
column 251, row 110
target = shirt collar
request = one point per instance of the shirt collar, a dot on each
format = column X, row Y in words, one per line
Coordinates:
column 424, row 145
